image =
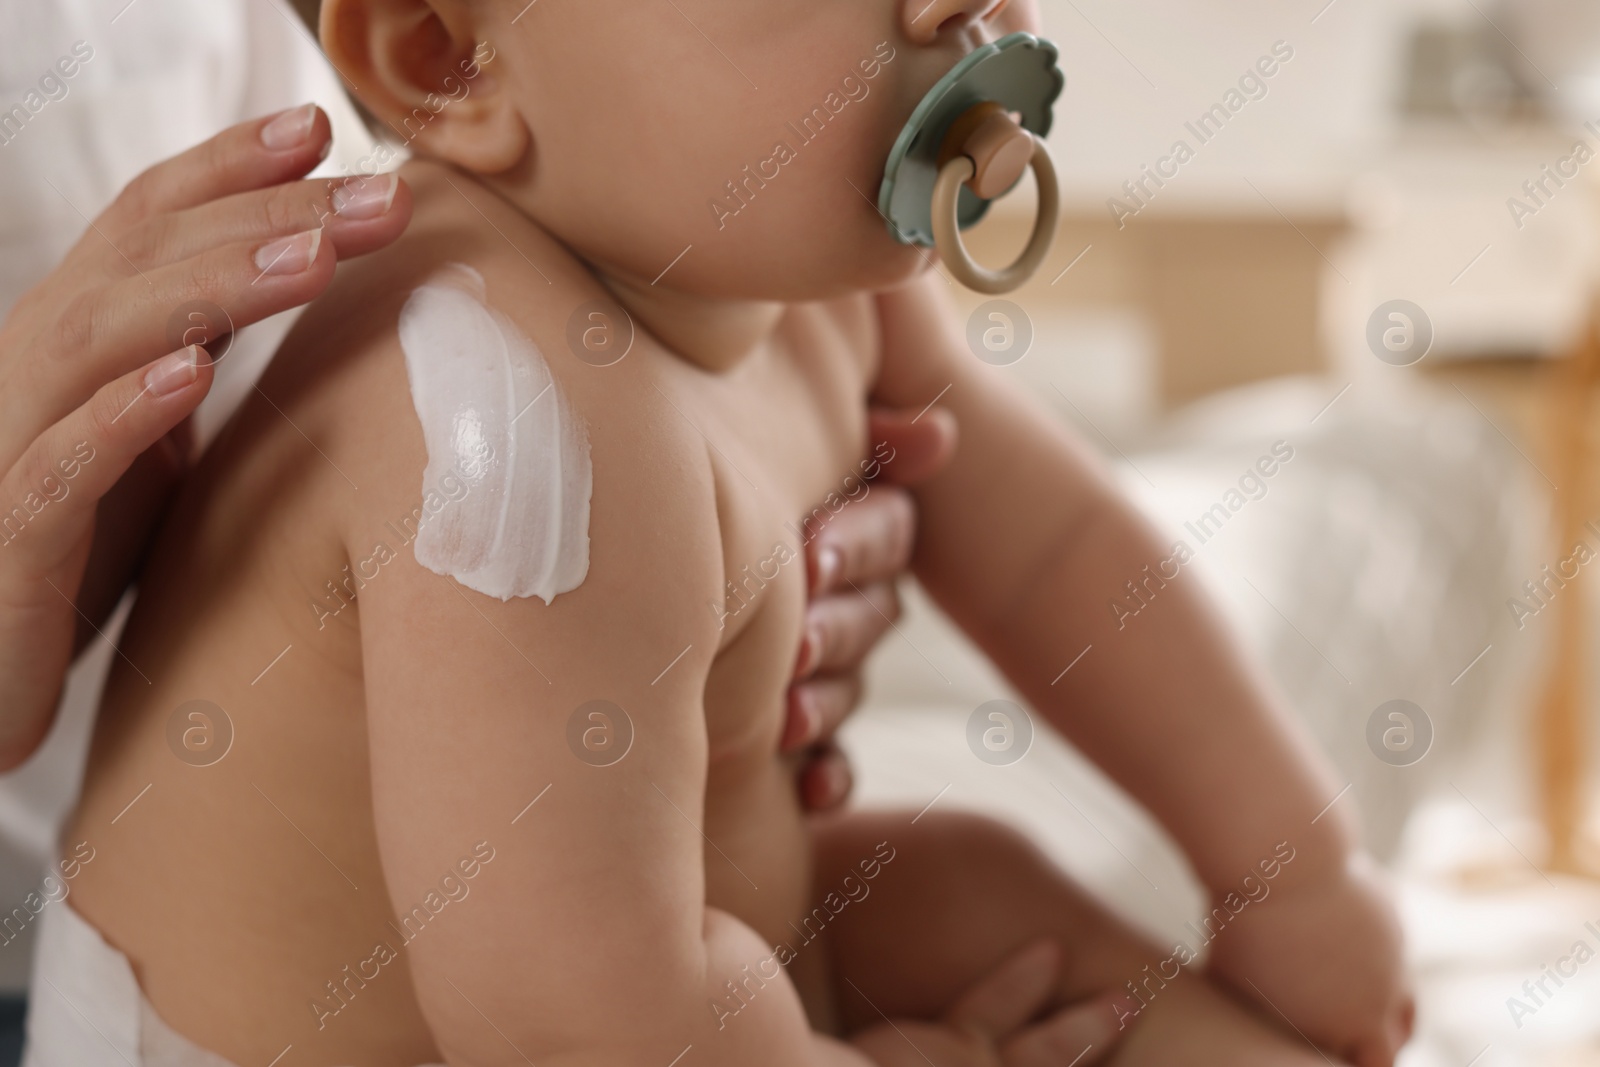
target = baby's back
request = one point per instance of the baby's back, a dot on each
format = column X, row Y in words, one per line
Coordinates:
column 238, row 790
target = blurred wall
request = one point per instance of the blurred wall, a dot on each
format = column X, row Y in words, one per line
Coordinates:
column 1138, row 71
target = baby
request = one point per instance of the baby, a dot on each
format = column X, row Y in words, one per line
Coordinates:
column 445, row 726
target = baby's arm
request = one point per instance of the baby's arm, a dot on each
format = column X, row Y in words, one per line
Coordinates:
column 586, row 939
column 1024, row 541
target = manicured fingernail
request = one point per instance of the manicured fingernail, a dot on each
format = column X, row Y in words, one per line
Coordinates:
column 829, row 563
column 810, row 647
column 802, row 724
column 289, row 129
column 171, row 373
column 289, row 255
column 811, row 721
column 365, row 197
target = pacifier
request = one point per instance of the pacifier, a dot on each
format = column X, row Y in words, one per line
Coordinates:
column 968, row 143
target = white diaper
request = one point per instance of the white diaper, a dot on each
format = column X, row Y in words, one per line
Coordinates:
column 85, row 1007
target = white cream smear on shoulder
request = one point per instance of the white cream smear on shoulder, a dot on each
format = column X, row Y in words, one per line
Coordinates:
column 497, row 425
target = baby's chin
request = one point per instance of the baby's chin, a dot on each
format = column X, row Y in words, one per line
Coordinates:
column 899, row 267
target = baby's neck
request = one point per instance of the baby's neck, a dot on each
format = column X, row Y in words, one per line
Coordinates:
column 711, row 333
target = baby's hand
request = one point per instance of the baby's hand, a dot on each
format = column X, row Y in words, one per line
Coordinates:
column 1326, row 956
column 992, row 1024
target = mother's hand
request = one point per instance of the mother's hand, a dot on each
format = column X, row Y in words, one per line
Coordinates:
column 101, row 364
column 852, row 564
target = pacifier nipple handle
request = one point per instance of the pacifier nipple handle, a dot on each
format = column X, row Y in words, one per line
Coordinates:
column 987, row 151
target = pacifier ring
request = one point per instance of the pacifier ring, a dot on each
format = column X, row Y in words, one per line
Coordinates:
column 968, row 143
column 947, row 227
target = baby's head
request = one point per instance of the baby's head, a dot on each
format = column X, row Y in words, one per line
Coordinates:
column 751, row 132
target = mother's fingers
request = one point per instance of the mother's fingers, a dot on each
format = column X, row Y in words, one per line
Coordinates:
column 869, row 540
column 47, row 500
column 817, row 706
column 357, row 214
column 841, row 628
column 106, row 332
column 911, row 446
column 825, row 781
column 251, row 155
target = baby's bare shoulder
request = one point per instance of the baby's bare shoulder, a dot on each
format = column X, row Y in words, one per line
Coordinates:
column 474, row 376
column 348, row 372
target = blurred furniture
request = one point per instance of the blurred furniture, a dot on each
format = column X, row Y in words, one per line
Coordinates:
column 1549, row 405
column 1232, row 296
column 1561, row 40
column 1563, row 734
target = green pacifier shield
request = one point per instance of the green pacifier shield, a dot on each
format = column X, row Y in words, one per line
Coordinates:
column 1019, row 73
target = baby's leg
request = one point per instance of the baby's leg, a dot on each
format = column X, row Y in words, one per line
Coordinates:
column 963, row 893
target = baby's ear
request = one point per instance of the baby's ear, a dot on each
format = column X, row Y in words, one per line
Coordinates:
column 423, row 68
